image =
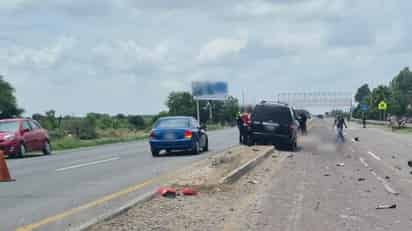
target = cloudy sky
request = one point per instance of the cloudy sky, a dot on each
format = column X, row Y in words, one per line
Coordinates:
column 113, row 56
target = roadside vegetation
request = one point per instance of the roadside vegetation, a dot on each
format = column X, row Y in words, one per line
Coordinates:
column 68, row 132
column 397, row 95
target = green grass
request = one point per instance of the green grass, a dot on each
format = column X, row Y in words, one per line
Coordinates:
column 71, row 142
column 109, row 137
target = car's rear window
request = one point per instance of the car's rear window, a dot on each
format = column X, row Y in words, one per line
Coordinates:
column 275, row 114
column 9, row 126
column 173, row 123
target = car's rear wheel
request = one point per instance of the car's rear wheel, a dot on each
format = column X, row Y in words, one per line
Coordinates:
column 155, row 153
column 22, row 151
column 47, row 148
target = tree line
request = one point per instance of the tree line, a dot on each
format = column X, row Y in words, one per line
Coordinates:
column 397, row 95
column 89, row 126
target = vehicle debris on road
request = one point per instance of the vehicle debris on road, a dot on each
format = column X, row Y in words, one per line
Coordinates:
column 340, row 164
column 188, row 192
column 394, row 206
column 361, row 179
column 410, row 163
column 253, row 182
column 167, row 192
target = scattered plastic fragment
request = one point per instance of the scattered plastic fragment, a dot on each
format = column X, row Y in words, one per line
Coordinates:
column 188, row 192
column 387, row 206
column 167, row 192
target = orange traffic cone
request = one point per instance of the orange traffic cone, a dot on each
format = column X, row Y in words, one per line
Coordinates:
column 4, row 171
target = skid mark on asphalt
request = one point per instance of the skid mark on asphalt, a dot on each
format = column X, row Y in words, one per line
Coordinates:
column 87, row 164
column 385, row 184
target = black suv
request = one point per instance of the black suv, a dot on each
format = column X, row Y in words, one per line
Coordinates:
column 274, row 123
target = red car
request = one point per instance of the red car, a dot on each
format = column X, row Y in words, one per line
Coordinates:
column 19, row 136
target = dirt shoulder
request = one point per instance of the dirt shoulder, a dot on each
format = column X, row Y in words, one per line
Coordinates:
column 216, row 207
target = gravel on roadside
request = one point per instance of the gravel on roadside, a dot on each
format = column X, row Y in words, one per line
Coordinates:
column 216, row 207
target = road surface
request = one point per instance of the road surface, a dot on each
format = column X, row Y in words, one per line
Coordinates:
column 47, row 188
column 310, row 192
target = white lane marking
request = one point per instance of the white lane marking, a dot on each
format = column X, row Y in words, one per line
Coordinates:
column 374, row 155
column 364, row 162
column 87, row 164
column 385, row 184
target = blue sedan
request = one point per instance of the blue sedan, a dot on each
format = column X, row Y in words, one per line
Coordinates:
column 178, row 133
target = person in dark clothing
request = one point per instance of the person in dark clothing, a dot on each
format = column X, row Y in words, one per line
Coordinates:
column 339, row 124
column 244, row 125
column 302, row 123
column 364, row 121
column 240, row 127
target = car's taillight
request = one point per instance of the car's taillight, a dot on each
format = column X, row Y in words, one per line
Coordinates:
column 188, row 134
column 152, row 135
column 293, row 127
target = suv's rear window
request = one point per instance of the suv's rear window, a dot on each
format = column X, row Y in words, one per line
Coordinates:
column 173, row 123
column 277, row 114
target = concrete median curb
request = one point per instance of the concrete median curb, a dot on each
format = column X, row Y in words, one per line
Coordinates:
column 230, row 178
column 242, row 170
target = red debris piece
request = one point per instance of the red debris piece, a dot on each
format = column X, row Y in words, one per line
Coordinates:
column 188, row 192
column 166, row 192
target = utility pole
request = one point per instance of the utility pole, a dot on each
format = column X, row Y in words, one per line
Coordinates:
column 198, row 110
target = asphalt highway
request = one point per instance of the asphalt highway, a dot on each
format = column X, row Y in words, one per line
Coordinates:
column 339, row 186
column 69, row 188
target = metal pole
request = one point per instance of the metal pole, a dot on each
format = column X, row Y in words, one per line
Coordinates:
column 210, row 111
column 198, row 110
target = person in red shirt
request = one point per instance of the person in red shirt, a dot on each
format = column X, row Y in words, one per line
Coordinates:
column 244, row 122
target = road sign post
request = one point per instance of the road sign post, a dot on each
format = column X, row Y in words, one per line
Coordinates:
column 382, row 106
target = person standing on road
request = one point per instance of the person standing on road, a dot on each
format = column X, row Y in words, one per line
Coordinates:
column 339, row 124
column 244, row 125
column 239, row 126
column 302, row 123
column 364, row 121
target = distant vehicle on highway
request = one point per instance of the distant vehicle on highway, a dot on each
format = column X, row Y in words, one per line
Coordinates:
column 178, row 133
column 320, row 116
column 19, row 136
column 274, row 123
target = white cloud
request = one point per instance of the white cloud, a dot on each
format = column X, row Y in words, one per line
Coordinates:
column 139, row 49
column 220, row 47
column 44, row 57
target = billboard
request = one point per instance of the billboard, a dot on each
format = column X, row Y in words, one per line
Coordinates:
column 210, row 90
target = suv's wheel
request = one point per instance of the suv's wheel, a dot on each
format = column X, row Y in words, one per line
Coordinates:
column 47, row 148
column 22, row 151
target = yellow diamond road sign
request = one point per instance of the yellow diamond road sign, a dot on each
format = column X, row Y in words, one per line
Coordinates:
column 382, row 105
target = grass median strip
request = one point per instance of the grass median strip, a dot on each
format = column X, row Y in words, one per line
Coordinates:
column 72, row 143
